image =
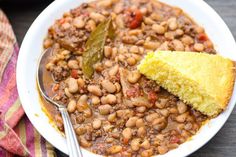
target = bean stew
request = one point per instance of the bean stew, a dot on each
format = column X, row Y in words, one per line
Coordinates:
column 117, row 111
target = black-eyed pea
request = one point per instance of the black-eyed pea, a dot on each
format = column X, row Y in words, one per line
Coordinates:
column 139, row 123
column 105, row 109
column 113, row 71
column 147, row 153
column 133, row 76
column 178, row 46
column 80, row 130
column 146, row 144
column 164, row 112
column 82, row 103
column 71, row 107
column 158, row 29
column 112, row 117
column 95, row 89
column 172, row 23
column 80, row 82
column 87, row 113
column 95, row 100
column 108, row 86
column 198, row 47
column 47, row 43
column 162, row 149
column 127, row 134
column 78, row 22
column 179, row 32
column 131, row 61
column 151, row 117
column 97, row 123
column 97, row 17
column 151, row 45
column 135, row 144
column 107, row 51
column 114, row 149
column 134, row 49
column 83, row 142
column 91, row 25
column 182, row 118
column 141, row 132
column 72, row 85
column 131, row 122
column 187, row 40
column 104, row 3
column 182, row 107
column 149, row 21
column 118, row 87
column 68, row 94
column 141, row 109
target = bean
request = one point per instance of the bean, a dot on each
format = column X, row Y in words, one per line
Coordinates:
column 172, row 24
column 178, row 46
column 97, row 17
column 139, row 123
column 187, row 40
column 65, row 25
column 129, row 39
column 108, row 86
column 135, row 32
column 148, row 21
column 71, row 107
column 104, row 3
column 141, row 132
column 104, row 109
column 151, row 45
column 199, row 29
column 198, row 47
column 95, row 89
column 151, row 117
column 158, row 29
column 118, row 8
column 134, row 49
column 114, row 149
column 47, row 43
column 113, row 71
column 141, row 109
column 112, row 117
column 161, row 103
column 68, row 94
column 80, row 82
column 72, row 85
column 80, row 130
column 82, row 103
column 127, row 134
column 73, row 64
column 131, row 61
column 118, row 87
column 109, row 99
column 162, row 149
column 87, row 113
column 179, row 32
column 135, row 144
column 173, row 110
column 146, row 144
column 182, row 107
column 95, row 100
column 169, row 35
column 107, row 51
column 114, row 52
column 165, row 112
column 78, row 22
column 108, row 63
column 91, row 25
column 133, row 76
column 181, row 118
column 131, row 122
column 97, row 123
column 147, row 153
column 83, row 142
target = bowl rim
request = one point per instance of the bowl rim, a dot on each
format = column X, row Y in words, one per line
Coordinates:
column 48, row 11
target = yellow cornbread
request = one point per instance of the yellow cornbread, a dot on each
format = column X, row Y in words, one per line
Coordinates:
column 202, row 80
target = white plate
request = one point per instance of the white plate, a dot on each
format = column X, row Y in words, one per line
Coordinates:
column 32, row 48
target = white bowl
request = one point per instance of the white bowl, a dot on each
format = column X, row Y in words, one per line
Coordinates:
column 32, row 48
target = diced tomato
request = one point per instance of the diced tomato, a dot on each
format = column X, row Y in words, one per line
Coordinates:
column 174, row 139
column 74, row 74
column 134, row 18
column 152, row 96
column 133, row 92
column 202, row 37
column 55, row 87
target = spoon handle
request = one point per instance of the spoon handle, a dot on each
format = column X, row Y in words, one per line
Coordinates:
column 72, row 143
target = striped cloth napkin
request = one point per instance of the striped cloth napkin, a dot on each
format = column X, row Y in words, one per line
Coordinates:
column 18, row 137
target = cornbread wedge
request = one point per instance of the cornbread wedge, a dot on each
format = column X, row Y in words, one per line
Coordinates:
column 202, row 80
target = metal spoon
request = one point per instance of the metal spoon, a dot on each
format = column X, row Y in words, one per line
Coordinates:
column 72, row 143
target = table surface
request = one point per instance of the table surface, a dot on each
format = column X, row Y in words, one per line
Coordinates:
column 223, row 144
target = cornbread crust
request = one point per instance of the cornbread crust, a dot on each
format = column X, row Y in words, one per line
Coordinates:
column 202, row 80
